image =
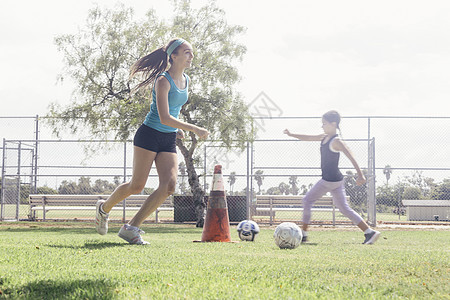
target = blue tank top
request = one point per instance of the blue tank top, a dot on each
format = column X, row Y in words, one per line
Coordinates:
column 177, row 98
column 329, row 162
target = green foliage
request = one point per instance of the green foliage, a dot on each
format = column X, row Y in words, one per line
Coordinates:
column 71, row 261
column 284, row 188
column 412, row 192
column 84, row 187
column 98, row 59
column 357, row 193
column 46, row 190
column 424, row 184
column 385, row 195
column 273, row 191
column 415, row 186
column 99, row 56
column 441, row 191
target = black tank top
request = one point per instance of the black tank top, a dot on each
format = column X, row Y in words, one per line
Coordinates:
column 329, row 162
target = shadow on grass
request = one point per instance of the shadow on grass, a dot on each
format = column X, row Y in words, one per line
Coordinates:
column 172, row 229
column 61, row 230
column 74, row 229
column 52, row 289
column 91, row 245
column 308, row 244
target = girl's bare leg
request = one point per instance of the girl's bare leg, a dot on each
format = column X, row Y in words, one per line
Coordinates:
column 142, row 163
column 167, row 167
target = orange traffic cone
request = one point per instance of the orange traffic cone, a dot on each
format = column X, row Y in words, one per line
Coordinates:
column 217, row 223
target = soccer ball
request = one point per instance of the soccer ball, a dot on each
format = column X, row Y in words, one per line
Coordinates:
column 288, row 235
column 247, row 230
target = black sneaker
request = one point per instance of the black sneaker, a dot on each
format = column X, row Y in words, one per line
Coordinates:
column 371, row 237
column 304, row 239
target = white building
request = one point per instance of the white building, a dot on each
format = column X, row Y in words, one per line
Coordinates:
column 427, row 210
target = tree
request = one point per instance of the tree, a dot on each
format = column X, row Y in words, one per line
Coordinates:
column 357, row 193
column 387, row 171
column 84, row 186
column 412, row 192
column 441, row 191
column 67, row 188
column 259, row 179
column 232, row 181
column 293, row 180
column 182, row 183
column 284, row 188
column 98, row 60
column 424, row 184
column 304, row 189
column 273, row 191
column 385, row 195
column 103, row 187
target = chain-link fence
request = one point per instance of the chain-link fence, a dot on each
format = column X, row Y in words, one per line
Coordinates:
column 405, row 160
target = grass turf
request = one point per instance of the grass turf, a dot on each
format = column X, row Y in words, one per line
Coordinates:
column 71, row 261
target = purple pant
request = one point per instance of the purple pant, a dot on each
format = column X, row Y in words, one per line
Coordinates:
column 337, row 190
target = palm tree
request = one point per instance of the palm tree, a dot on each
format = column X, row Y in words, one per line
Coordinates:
column 387, row 171
column 259, row 179
column 231, row 181
column 293, row 180
column 182, row 170
column 304, row 189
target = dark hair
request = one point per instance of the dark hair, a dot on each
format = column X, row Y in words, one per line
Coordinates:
column 332, row 116
column 152, row 65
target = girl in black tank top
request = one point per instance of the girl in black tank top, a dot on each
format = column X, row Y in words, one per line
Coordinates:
column 329, row 161
column 332, row 178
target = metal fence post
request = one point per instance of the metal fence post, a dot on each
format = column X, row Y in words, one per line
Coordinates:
column 2, row 206
column 370, row 175
column 19, row 154
column 36, row 154
column 251, row 172
column 371, row 192
column 374, row 192
column 247, row 194
column 124, row 214
column 204, row 168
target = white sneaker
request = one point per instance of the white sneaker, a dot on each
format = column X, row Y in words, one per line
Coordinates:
column 132, row 235
column 101, row 219
column 372, row 237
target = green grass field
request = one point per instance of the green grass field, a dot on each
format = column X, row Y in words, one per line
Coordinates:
column 71, row 261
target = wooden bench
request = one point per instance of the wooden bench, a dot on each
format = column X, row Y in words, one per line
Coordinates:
column 48, row 202
column 268, row 205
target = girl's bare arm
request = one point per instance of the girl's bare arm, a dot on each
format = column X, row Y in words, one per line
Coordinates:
column 162, row 103
column 305, row 137
column 338, row 145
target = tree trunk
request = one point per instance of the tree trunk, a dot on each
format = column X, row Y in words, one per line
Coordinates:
column 197, row 191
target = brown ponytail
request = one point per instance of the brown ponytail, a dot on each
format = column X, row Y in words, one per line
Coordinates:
column 151, row 65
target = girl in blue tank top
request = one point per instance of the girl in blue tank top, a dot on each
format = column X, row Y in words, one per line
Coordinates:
column 155, row 140
column 177, row 98
column 332, row 179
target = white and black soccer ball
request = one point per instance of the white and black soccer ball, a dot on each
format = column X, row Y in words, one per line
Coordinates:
column 288, row 235
column 247, row 230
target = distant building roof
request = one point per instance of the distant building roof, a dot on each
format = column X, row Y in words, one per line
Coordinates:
column 426, row 202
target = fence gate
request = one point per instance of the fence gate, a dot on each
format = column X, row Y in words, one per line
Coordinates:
column 16, row 179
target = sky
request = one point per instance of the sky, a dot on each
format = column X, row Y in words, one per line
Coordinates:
column 359, row 57
column 362, row 58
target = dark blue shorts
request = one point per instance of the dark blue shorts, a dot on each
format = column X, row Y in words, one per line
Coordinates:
column 154, row 140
